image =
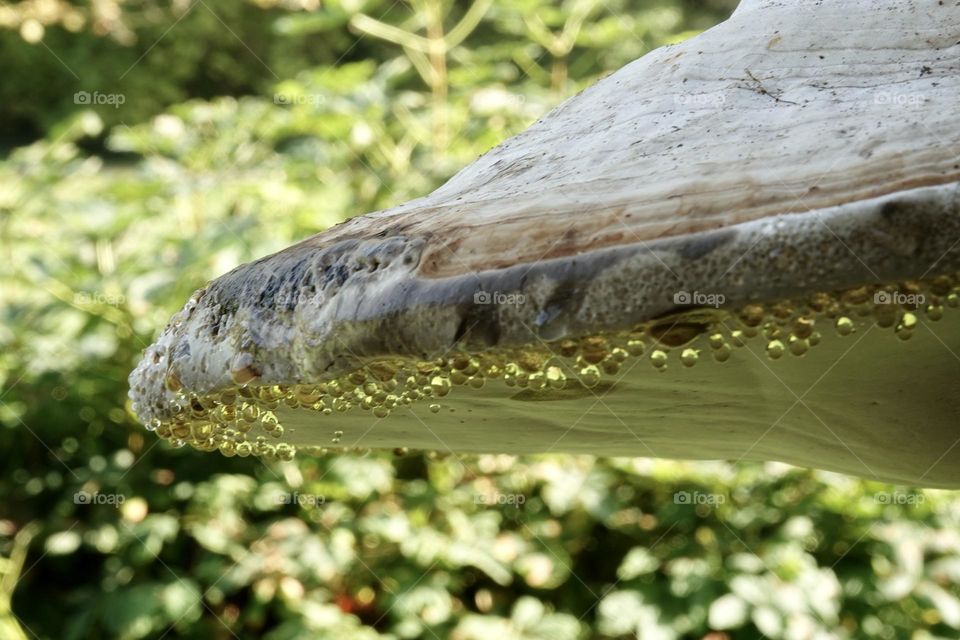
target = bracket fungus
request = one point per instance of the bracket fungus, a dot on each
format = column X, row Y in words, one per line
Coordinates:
column 743, row 246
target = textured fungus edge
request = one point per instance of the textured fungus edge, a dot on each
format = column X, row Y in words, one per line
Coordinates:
column 308, row 314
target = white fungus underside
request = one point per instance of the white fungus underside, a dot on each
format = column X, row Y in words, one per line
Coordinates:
column 866, row 404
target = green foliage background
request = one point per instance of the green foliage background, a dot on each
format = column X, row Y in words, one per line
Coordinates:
column 245, row 126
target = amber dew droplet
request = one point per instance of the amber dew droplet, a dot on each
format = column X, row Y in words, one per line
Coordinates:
column 689, row 357
column 798, row 346
column 590, row 376
column 844, row 326
column 239, row 421
column 722, row 353
column 775, row 349
column 658, row 358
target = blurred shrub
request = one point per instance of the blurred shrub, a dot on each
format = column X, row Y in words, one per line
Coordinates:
column 137, row 58
column 311, row 125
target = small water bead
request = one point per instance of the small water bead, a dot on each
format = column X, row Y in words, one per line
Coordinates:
column 722, row 353
column 803, row 327
column 658, row 358
column 201, row 430
column 738, row 338
column 555, row 377
column 886, row 315
column 775, row 349
column 906, row 326
column 636, row 347
column 814, row 338
column 336, row 436
column 381, row 411
column 476, row 382
column 459, row 362
column 771, row 331
column 798, row 346
column 610, row 367
column 689, row 357
column 590, row 376
column 844, row 326
column 435, row 408
column 752, row 315
column 473, row 367
column 537, row 381
column 249, row 412
column 716, row 340
column 441, row 386
column 934, row 312
column 908, row 321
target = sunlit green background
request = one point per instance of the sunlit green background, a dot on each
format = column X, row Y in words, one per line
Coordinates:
column 150, row 146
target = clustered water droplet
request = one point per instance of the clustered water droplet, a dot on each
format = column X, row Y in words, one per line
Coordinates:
column 242, row 420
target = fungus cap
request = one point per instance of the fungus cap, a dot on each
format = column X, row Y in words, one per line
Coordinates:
column 743, row 246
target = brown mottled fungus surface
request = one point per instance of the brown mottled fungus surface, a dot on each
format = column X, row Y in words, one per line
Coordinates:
column 742, row 246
